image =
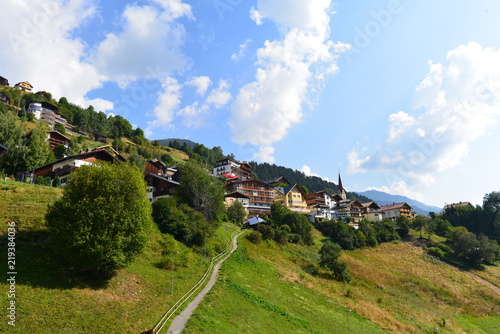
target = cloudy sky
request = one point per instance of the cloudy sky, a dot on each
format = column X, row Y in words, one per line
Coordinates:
column 397, row 95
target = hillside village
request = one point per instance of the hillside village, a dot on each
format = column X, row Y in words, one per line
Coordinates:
column 241, row 184
column 337, row 216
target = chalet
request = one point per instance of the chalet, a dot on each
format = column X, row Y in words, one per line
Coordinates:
column 279, row 181
column 160, row 187
column 24, row 86
column 46, row 112
column 237, row 196
column 3, row 150
column 63, row 167
column 155, row 167
column 100, row 138
column 5, row 99
column 370, row 206
column 232, row 169
column 253, row 222
column 348, row 208
column 260, row 195
column 320, row 204
column 56, row 138
column 4, row 81
column 371, row 211
column 373, row 216
column 395, row 210
column 293, row 198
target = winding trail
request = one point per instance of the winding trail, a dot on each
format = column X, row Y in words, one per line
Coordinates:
column 180, row 321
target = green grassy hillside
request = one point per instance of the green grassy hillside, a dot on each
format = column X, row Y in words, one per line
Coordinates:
column 266, row 288
column 263, row 288
column 49, row 300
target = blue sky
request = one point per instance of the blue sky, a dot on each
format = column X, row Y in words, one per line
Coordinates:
column 398, row 95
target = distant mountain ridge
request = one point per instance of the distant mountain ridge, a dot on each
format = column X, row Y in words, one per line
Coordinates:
column 383, row 198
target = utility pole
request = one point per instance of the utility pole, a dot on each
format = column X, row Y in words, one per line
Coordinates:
column 348, row 327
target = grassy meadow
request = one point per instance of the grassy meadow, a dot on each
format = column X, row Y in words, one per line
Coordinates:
column 396, row 288
column 49, row 300
column 264, row 288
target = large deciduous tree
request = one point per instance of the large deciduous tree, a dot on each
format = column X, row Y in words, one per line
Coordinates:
column 201, row 191
column 102, row 221
column 491, row 201
column 236, row 213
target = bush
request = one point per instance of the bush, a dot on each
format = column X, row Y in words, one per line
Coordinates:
column 295, row 238
column 180, row 220
column 329, row 259
column 57, row 182
column 437, row 252
column 255, row 237
column 266, row 231
column 103, row 219
column 43, row 181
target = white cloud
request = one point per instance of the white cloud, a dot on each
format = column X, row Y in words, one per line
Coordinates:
column 196, row 114
column 174, row 9
column 201, row 84
column 459, row 102
column 308, row 172
column 242, row 51
column 168, row 102
column 100, row 104
column 265, row 153
column 149, row 44
column 37, row 47
column 255, row 16
column 288, row 70
column 220, row 96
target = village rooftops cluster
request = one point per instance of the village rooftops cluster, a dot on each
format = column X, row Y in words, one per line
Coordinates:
column 258, row 196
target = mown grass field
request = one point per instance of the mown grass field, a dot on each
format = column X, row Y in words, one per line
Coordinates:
column 265, row 288
column 48, row 300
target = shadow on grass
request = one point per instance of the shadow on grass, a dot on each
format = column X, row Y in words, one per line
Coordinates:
column 38, row 265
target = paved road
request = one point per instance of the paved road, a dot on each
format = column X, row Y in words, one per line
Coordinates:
column 180, row 321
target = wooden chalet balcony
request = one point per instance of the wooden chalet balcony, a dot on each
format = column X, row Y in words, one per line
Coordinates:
column 57, row 141
column 254, row 188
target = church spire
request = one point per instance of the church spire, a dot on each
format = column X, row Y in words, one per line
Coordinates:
column 342, row 191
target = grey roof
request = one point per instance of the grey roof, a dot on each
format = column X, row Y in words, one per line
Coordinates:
column 255, row 221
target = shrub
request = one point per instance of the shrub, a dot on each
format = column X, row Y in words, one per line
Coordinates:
column 43, row 180
column 255, row 237
column 266, row 231
column 437, row 252
column 103, row 219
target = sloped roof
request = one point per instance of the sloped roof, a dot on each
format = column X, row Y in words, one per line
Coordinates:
column 280, row 179
column 394, row 206
column 58, row 133
column 255, row 221
column 161, row 178
column 371, row 205
column 106, row 152
column 236, row 194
